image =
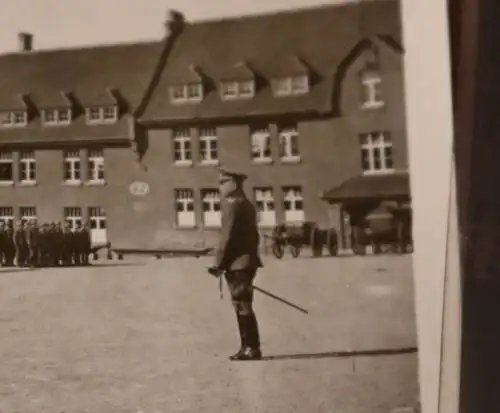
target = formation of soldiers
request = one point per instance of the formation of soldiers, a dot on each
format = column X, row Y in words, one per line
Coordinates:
column 34, row 244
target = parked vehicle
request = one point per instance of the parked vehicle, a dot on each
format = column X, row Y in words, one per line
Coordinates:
column 306, row 234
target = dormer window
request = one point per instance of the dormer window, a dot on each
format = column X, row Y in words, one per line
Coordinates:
column 13, row 119
column 56, row 116
column 102, row 114
column 371, row 83
column 237, row 89
column 191, row 92
column 291, row 85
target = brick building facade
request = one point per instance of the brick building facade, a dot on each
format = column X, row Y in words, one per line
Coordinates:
column 129, row 136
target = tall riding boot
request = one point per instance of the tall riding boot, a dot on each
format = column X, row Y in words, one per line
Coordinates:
column 250, row 339
column 253, row 340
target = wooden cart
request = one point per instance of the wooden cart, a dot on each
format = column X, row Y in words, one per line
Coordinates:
column 307, row 234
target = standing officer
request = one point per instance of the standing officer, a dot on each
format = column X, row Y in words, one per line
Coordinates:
column 237, row 257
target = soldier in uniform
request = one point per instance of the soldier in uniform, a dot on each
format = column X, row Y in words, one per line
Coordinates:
column 57, row 240
column 237, row 257
column 20, row 244
column 44, row 245
column 10, row 248
column 67, row 244
column 32, row 241
column 85, row 243
column 3, row 243
column 76, row 250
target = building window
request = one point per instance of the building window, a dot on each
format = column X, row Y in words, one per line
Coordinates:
column 6, row 168
column 96, row 166
column 372, row 93
column 110, row 113
column 97, row 218
column 98, row 224
column 237, row 89
column 209, row 152
column 7, row 215
column 376, row 153
column 264, row 203
column 73, row 216
column 210, row 199
column 56, row 116
column 17, row 118
column 72, row 167
column 289, row 143
column 102, row 114
column 182, row 147
column 291, row 85
column 184, row 206
column 246, row 88
column 27, row 168
column 27, row 214
column 261, row 145
column 293, row 204
column 191, row 92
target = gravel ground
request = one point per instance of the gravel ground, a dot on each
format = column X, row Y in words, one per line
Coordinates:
column 152, row 336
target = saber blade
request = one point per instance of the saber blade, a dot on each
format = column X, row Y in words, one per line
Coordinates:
column 280, row 299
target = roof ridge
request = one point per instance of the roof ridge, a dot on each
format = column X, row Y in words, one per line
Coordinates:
column 82, row 47
column 288, row 10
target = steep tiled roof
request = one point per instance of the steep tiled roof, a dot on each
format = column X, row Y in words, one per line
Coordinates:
column 321, row 36
column 88, row 75
column 85, row 72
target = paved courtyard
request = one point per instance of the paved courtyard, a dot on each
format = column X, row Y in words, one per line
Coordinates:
column 153, row 336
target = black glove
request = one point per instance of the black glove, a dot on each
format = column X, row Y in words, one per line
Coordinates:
column 214, row 271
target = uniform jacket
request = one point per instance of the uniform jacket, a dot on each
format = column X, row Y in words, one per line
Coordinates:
column 32, row 235
column 238, row 248
column 19, row 237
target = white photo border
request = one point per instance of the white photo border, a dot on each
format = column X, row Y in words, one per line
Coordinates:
column 436, row 260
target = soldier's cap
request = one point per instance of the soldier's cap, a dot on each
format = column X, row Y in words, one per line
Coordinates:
column 231, row 175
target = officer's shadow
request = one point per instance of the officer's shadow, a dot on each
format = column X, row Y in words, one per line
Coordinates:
column 343, row 354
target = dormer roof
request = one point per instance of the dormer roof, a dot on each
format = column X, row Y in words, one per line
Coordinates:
column 291, row 65
column 191, row 74
column 102, row 97
column 55, row 100
column 239, row 71
column 11, row 101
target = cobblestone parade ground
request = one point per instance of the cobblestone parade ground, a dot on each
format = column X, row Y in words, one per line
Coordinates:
column 153, row 336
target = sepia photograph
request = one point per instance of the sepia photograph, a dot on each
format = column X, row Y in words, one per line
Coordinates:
column 206, row 208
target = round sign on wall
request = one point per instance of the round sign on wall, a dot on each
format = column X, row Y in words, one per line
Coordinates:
column 139, row 188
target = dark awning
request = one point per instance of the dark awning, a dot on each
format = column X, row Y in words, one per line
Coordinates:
column 383, row 186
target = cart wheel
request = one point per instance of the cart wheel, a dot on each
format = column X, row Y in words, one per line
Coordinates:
column 332, row 243
column 359, row 249
column 278, row 250
column 315, row 242
column 120, row 257
column 295, row 250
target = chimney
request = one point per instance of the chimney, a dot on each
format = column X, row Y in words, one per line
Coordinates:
column 25, row 42
column 174, row 23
